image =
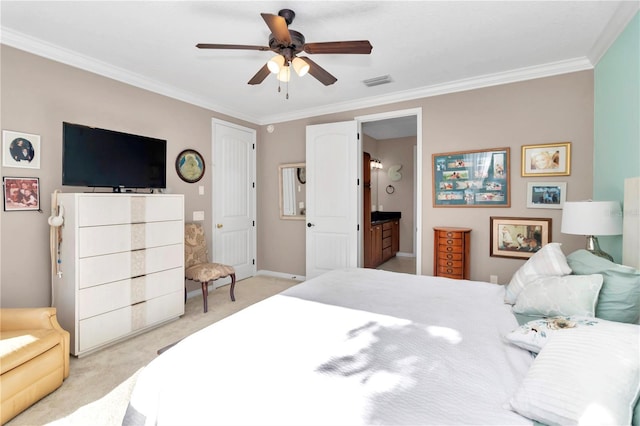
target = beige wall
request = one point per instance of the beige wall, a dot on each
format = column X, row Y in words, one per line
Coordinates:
column 553, row 109
column 37, row 96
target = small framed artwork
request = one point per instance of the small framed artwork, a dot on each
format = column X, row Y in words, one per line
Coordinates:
column 20, row 150
column 546, row 195
column 471, row 178
column 190, row 166
column 21, row 193
column 553, row 159
column 518, row 237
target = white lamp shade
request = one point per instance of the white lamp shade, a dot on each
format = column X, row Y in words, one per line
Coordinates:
column 300, row 66
column 591, row 218
column 275, row 63
column 284, row 74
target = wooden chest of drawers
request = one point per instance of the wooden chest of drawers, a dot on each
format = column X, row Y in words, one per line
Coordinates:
column 451, row 252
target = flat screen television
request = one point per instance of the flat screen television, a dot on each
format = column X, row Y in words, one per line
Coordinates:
column 105, row 158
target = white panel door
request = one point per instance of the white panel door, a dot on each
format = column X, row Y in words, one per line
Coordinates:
column 234, row 198
column 332, row 197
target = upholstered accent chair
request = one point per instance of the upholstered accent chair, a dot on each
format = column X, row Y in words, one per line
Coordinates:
column 197, row 266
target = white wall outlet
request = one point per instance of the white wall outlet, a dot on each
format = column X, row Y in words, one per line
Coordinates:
column 380, row 208
column 198, row 215
column 493, row 279
column 201, row 189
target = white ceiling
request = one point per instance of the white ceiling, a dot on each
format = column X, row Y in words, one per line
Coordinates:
column 427, row 47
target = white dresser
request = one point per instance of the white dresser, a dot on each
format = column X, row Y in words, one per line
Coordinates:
column 122, row 264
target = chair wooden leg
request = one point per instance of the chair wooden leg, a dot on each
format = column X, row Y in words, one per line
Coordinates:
column 205, row 296
column 233, row 286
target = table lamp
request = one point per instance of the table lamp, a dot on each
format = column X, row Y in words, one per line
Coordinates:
column 592, row 218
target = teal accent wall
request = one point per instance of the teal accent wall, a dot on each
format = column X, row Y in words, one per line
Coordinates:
column 617, row 123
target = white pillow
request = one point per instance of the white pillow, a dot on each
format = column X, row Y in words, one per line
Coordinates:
column 552, row 296
column 549, row 261
column 590, row 375
column 533, row 335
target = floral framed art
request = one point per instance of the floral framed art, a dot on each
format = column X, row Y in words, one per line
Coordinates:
column 471, row 178
column 21, row 194
column 546, row 195
column 21, row 150
column 553, row 159
column 518, row 237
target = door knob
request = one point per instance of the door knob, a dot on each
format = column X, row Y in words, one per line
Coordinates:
column 219, row 225
column 309, row 225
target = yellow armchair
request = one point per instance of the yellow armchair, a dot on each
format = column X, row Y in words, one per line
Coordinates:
column 34, row 357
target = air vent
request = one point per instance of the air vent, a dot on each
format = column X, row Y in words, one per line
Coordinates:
column 376, row 81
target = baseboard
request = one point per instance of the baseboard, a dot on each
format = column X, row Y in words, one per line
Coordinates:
column 281, row 275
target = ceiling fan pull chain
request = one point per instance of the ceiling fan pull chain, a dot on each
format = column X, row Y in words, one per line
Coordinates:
column 287, row 97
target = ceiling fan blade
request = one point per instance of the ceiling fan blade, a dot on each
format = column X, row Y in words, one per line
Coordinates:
column 357, row 47
column 319, row 73
column 230, row 46
column 260, row 75
column 278, row 26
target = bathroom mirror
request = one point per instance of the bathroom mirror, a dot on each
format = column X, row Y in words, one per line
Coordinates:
column 293, row 181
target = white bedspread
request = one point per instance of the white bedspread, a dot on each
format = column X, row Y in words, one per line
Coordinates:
column 350, row 347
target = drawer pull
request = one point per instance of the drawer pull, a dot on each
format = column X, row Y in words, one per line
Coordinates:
column 449, row 263
column 449, row 256
column 449, row 241
column 449, row 271
column 449, row 234
column 449, row 248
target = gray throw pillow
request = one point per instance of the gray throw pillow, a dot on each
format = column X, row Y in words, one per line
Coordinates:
column 619, row 298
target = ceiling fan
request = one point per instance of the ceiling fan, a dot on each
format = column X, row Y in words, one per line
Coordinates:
column 288, row 44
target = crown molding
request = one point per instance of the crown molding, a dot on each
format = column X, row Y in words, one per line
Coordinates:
column 616, row 25
column 56, row 53
column 488, row 80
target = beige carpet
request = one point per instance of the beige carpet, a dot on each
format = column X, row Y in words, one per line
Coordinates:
column 98, row 388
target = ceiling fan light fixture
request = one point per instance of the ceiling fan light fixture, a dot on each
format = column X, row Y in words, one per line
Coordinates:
column 275, row 64
column 284, row 74
column 300, row 66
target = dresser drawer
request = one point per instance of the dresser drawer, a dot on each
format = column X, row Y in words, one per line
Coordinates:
column 450, row 263
column 450, row 241
column 450, row 249
column 451, row 271
column 98, row 240
column 120, row 266
column 120, row 209
column 386, row 226
column 450, row 234
column 449, row 255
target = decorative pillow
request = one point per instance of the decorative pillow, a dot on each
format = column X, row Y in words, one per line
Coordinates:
column 619, row 298
column 533, row 335
column 590, row 375
column 568, row 295
column 549, row 261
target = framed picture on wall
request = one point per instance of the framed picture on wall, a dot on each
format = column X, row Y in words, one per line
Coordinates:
column 471, row 178
column 20, row 150
column 553, row 159
column 546, row 195
column 21, row 194
column 518, row 237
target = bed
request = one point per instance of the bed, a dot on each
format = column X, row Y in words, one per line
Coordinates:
column 351, row 347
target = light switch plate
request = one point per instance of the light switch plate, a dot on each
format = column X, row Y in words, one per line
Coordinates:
column 201, row 189
column 198, row 215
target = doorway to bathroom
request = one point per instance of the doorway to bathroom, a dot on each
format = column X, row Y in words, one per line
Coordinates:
column 394, row 142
